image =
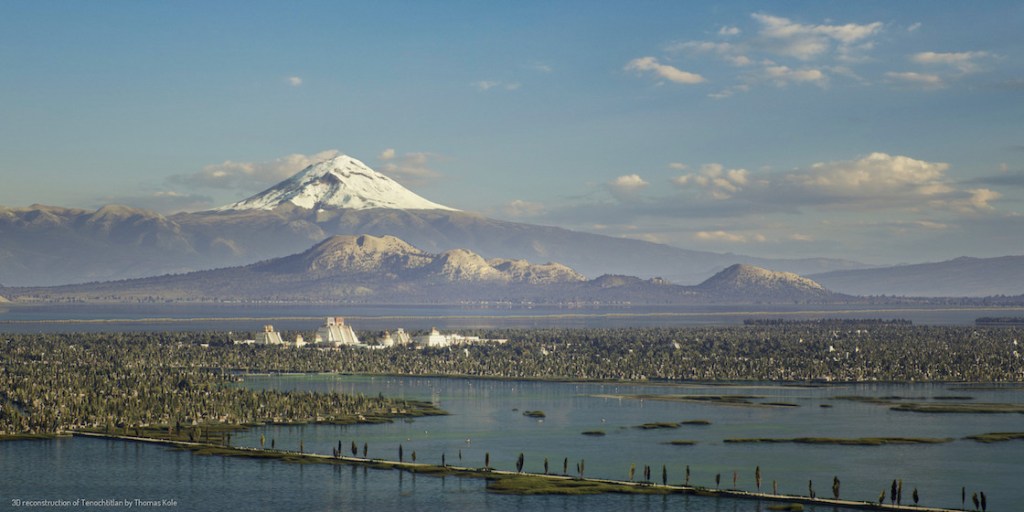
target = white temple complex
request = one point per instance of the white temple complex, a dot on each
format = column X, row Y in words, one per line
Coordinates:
column 335, row 333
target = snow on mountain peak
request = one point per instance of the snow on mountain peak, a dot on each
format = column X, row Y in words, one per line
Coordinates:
column 339, row 182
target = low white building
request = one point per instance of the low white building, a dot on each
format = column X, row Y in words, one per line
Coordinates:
column 436, row 339
column 432, row 340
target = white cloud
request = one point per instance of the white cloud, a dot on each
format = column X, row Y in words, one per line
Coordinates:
column 784, row 75
column 728, row 236
column 678, row 166
column 518, row 208
column 629, row 182
column 800, row 237
column 927, row 224
column 965, row 62
column 878, row 181
column 877, row 175
column 806, row 42
column 733, row 53
column 409, row 168
column 914, row 27
column 978, row 200
column 625, row 188
column 295, row 81
column 486, row 85
column 923, row 79
column 719, row 183
column 729, row 31
column 670, row 73
column 251, row 175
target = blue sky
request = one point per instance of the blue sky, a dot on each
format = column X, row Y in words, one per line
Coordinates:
column 881, row 131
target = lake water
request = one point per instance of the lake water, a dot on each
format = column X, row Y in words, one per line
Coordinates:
column 66, row 470
column 169, row 317
column 486, row 417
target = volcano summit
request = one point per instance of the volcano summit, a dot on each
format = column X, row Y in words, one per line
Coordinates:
column 341, row 182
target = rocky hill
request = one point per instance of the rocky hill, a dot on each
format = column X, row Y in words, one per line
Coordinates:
column 382, row 270
column 747, row 283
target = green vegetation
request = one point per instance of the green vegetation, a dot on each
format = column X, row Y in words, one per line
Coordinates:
column 803, row 352
column 531, row 484
column 996, row 437
column 789, row 507
column 29, row 437
column 155, row 385
column 696, row 422
column 855, row 441
column 596, row 433
column 657, row 425
column 972, row 408
column 535, row 414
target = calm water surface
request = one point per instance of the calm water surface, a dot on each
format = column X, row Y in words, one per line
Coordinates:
column 164, row 317
column 486, row 417
column 94, row 469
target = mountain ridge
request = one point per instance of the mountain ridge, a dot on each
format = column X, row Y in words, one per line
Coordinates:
column 119, row 242
column 962, row 277
column 388, row 270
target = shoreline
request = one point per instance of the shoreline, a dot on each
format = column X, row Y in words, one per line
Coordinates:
column 550, row 483
column 624, row 312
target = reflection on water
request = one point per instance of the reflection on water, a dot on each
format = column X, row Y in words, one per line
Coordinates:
column 487, row 418
column 94, row 469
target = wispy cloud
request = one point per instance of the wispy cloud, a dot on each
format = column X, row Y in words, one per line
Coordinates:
column 665, row 71
column 783, row 52
column 727, row 236
column 519, row 208
column 965, row 62
column 720, row 183
column 408, row 168
column 625, row 188
column 250, row 176
column 295, row 81
column 805, row 42
column 926, row 80
column 487, row 85
column 162, row 201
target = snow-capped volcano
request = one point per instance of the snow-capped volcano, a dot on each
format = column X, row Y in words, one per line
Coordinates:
column 340, row 182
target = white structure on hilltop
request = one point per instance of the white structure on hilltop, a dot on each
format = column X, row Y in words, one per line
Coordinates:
column 335, row 333
column 269, row 336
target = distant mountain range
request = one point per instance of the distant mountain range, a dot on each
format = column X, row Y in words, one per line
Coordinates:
column 961, row 277
column 48, row 245
column 369, row 269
